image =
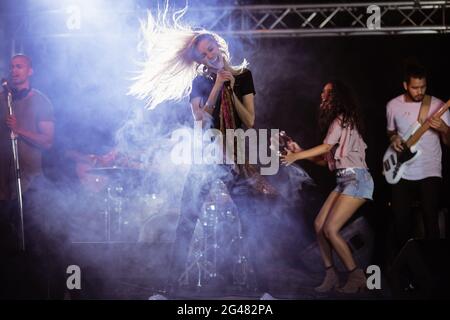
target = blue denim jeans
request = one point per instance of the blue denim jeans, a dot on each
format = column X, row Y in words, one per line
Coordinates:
column 354, row 182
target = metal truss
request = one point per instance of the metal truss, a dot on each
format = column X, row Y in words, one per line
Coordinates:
column 343, row 19
column 293, row 20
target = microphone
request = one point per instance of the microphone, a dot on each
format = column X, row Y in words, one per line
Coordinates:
column 228, row 84
column 5, row 85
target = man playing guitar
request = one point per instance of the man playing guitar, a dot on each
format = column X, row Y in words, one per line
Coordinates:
column 421, row 178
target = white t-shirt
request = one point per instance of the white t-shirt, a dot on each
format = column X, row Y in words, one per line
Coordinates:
column 401, row 116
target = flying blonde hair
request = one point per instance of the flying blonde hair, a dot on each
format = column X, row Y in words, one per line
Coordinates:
column 170, row 66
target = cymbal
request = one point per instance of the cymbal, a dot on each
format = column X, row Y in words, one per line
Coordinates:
column 116, row 171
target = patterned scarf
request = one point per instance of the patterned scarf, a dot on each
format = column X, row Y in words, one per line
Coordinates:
column 247, row 171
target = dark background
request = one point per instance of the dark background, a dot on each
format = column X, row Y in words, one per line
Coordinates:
column 86, row 78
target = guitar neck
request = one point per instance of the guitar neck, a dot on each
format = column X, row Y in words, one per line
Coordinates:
column 424, row 127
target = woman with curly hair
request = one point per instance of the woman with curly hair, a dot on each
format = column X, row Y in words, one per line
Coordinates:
column 344, row 150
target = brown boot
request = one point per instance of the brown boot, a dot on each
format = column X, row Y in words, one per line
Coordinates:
column 356, row 282
column 330, row 282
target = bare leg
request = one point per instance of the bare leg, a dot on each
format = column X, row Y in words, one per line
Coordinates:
column 324, row 245
column 344, row 207
column 331, row 279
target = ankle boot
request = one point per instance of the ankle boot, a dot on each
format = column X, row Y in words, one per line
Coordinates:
column 330, row 281
column 356, row 282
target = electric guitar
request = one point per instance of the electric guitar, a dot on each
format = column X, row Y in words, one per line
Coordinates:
column 283, row 141
column 394, row 163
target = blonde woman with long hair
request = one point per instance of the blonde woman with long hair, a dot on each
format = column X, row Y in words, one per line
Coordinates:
column 182, row 62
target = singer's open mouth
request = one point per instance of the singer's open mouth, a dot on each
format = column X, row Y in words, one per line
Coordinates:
column 214, row 61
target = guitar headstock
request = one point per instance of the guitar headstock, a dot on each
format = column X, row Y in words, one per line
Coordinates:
column 283, row 140
column 442, row 109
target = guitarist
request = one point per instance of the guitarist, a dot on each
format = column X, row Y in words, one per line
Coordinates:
column 422, row 178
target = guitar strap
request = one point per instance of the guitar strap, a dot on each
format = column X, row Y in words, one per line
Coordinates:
column 424, row 109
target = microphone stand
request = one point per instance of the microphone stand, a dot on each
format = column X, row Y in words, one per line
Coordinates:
column 15, row 151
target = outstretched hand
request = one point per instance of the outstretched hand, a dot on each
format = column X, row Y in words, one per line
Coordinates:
column 291, row 145
column 289, row 158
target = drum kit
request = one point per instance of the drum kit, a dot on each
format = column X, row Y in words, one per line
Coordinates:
column 218, row 253
column 120, row 193
column 131, row 214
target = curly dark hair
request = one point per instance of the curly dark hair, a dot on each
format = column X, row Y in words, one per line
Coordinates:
column 341, row 102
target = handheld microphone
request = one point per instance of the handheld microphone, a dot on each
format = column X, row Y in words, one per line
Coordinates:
column 228, row 84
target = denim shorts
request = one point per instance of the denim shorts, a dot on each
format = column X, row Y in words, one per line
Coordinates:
column 354, row 182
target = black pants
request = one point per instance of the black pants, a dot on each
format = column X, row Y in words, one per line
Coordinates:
column 426, row 191
column 252, row 209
